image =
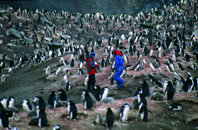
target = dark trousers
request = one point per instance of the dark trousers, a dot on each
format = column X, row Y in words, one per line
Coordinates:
column 91, row 83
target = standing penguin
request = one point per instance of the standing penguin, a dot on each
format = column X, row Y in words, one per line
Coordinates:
column 62, row 97
column 96, row 92
column 39, row 102
column 143, row 111
column 72, row 63
column 72, row 110
column 4, row 102
column 109, row 118
column 169, row 91
column 124, row 112
column 188, row 84
column 26, row 105
column 87, row 101
column 10, row 102
column 68, row 86
column 40, row 119
column 104, row 93
column 52, row 101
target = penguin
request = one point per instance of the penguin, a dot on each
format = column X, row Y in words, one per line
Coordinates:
column 3, row 78
column 126, row 59
column 40, row 119
column 195, row 80
column 68, row 86
column 62, row 97
column 39, row 102
column 10, row 102
column 48, row 70
column 4, row 119
column 52, row 101
column 57, row 127
column 188, row 84
column 138, row 66
column 169, row 91
column 65, row 79
column 4, row 102
column 80, row 71
column 72, row 63
column 86, row 80
column 64, row 61
column 58, row 70
column 26, row 105
column 80, row 65
column 72, row 110
column 104, row 93
column 124, row 112
column 180, row 67
column 87, row 101
column 175, row 107
column 143, row 111
column 109, row 118
column 143, row 89
column 96, row 92
column 103, row 62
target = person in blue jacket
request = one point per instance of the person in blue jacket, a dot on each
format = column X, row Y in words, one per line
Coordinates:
column 118, row 67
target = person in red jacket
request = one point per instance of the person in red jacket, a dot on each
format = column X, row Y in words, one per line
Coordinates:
column 91, row 69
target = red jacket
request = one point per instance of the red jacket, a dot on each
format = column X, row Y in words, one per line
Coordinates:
column 91, row 65
column 118, row 53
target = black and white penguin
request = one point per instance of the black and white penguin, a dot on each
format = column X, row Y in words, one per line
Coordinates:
column 87, row 101
column 10, row 102
column 96, row 92
column 72, row 110
column 169, row 90
column 103, row 62
column 57, row 127
column 58, row 70
column 39, row 102
column 188, row 84
column 62, row 97
column 48, row 70
column 26, row 105
column 80, row 71
column 195, row 80
column 104, row 93
column 109, row 118
column 72, row 63
column 52, row 101
column 4, row 102
column 143, row 89
column 68, row 86
column 4, row 119
column 143, row 111
column 175, row 106
column 40, row 119
column 86, row 80
column 124, row 112
column 138, row 66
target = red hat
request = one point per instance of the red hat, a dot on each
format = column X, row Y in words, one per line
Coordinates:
column 114, row 51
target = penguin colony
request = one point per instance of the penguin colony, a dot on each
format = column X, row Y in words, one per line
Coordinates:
column 148, row 44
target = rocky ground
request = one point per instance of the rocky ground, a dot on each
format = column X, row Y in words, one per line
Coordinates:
column 30, row 80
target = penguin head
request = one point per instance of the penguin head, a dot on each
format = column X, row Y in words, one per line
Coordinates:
column 127, row 106
column 56, row 127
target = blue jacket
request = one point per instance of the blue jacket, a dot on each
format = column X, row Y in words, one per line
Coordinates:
column 118, row 63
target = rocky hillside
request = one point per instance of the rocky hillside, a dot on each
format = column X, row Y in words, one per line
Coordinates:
column 84, row 6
